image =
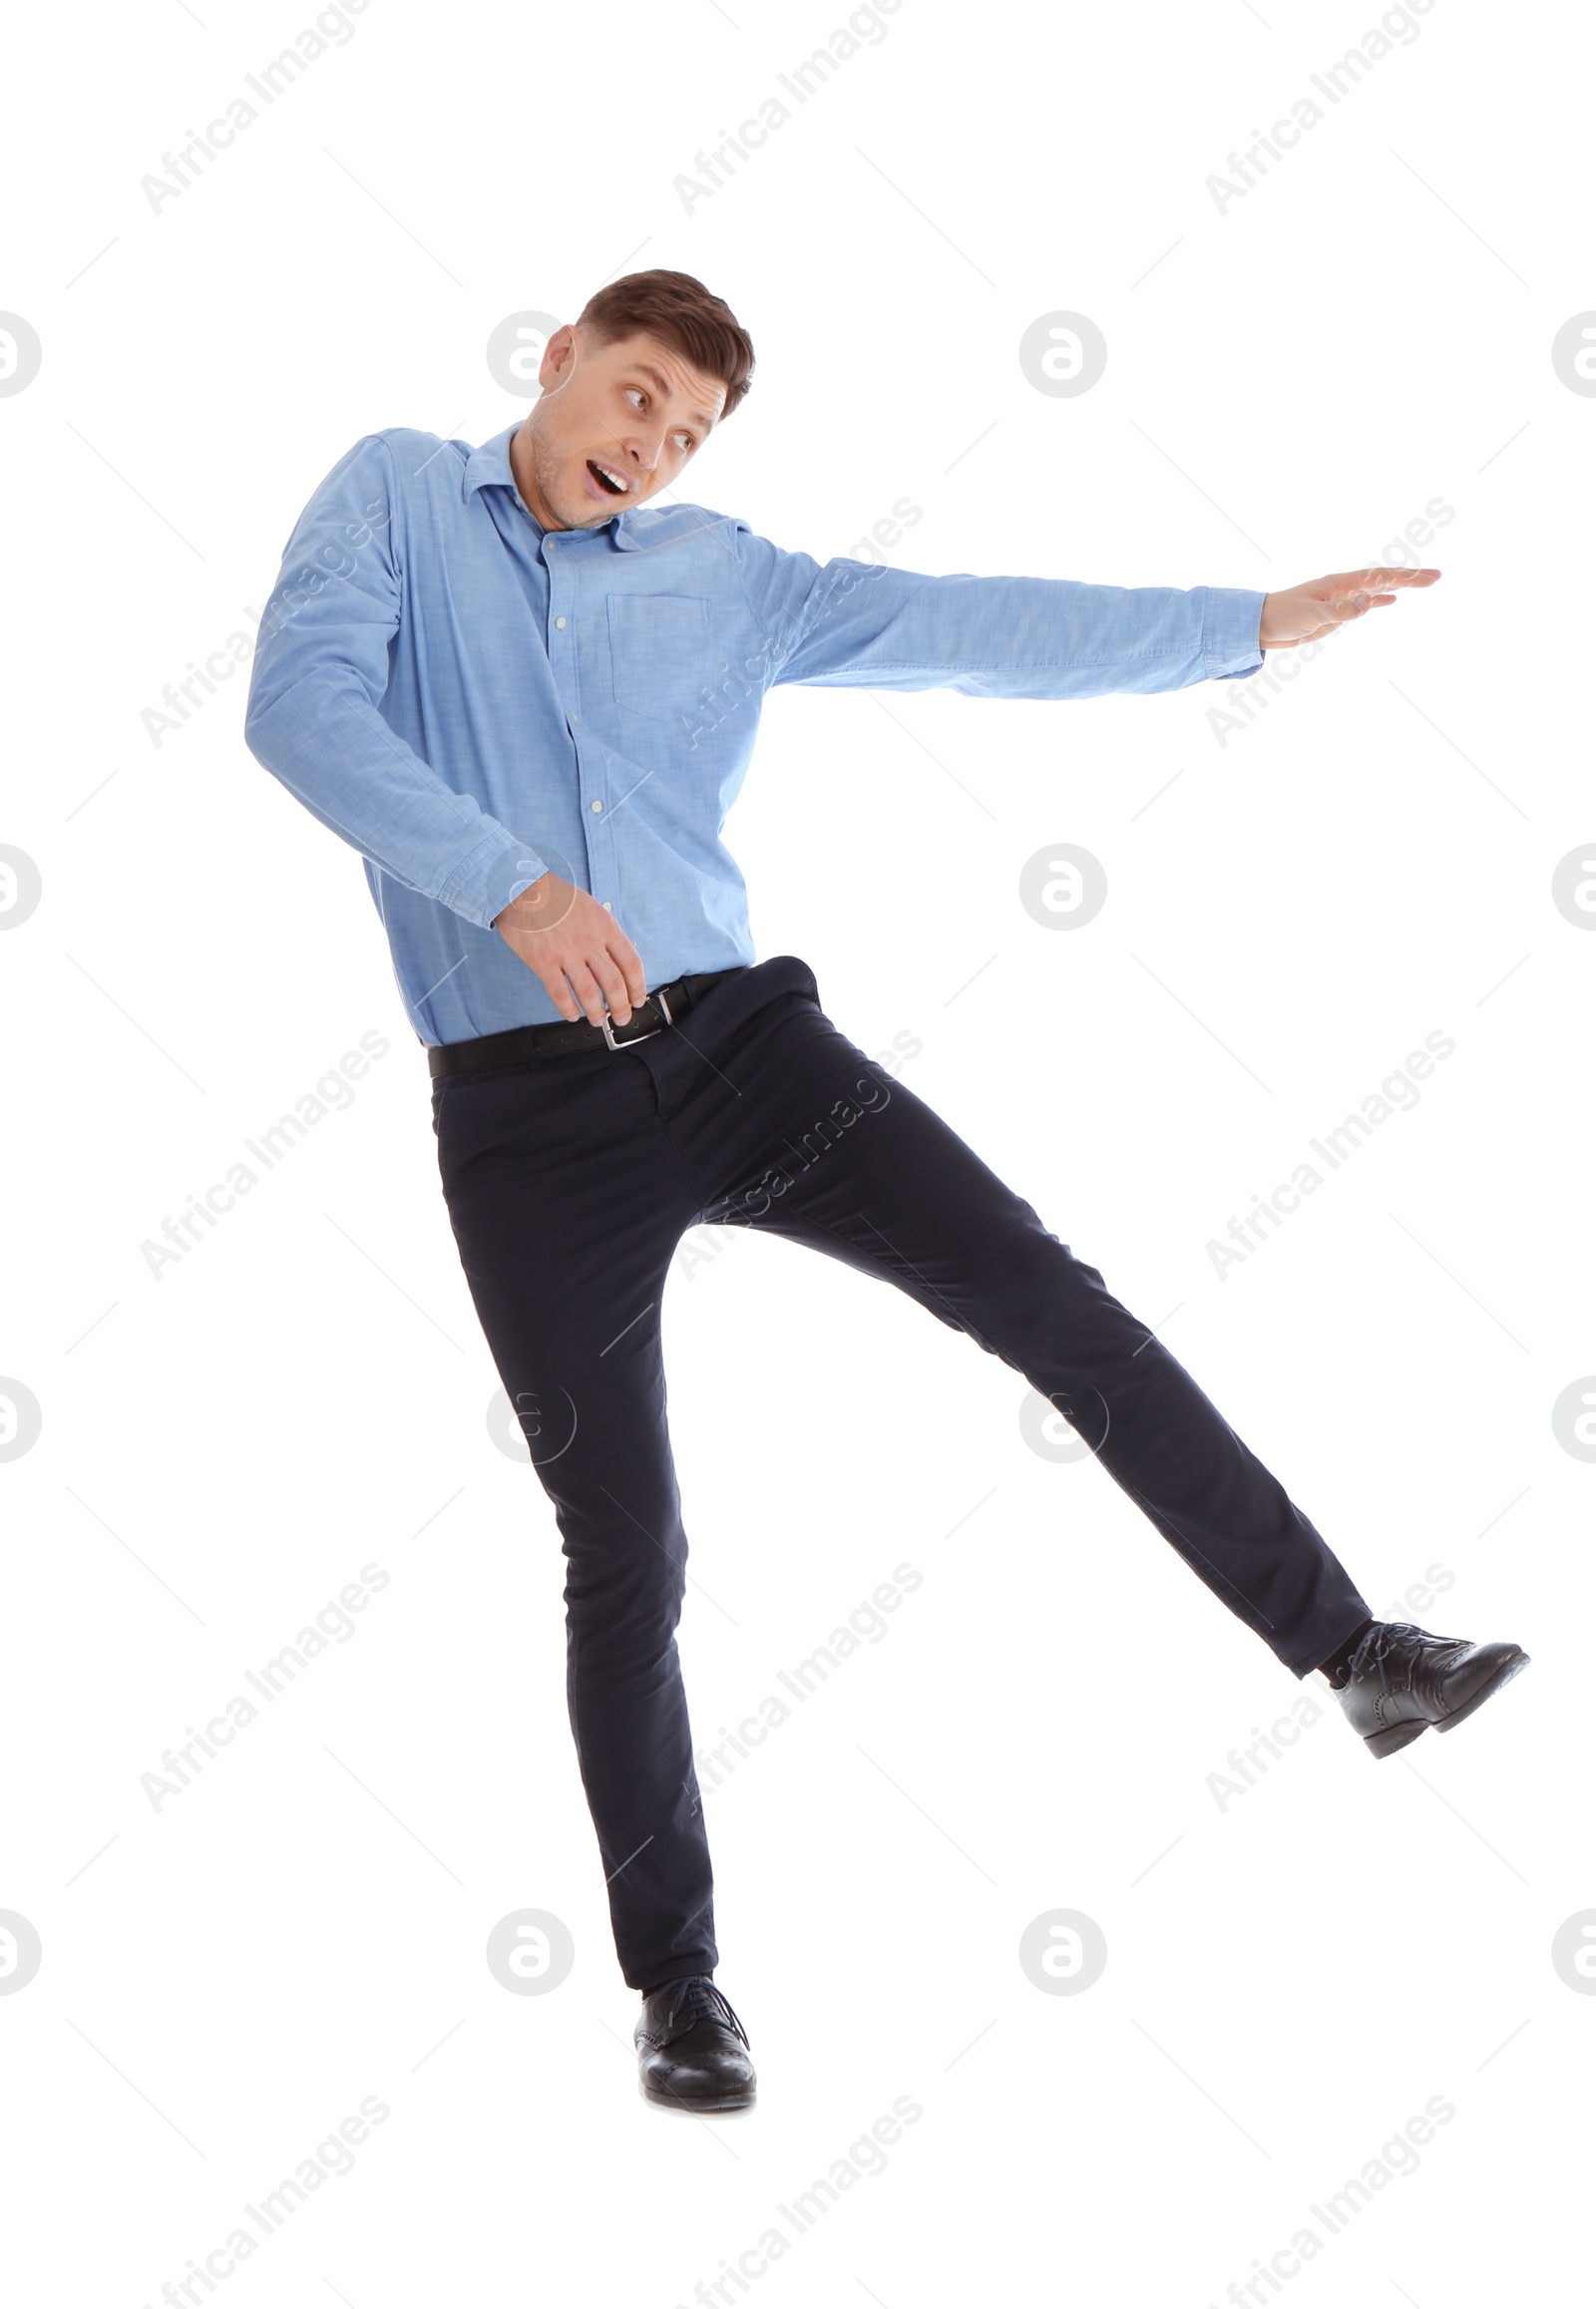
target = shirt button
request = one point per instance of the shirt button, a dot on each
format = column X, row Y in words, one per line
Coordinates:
column 609, row 909
column 596, row 805
column 560, row 621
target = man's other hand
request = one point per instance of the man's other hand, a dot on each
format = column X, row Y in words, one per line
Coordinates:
column 1306, row 612
column 577, row 948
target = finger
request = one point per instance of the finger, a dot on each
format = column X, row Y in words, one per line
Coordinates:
column 587, row 992
column 613, row 986
column 631, row 961
column 1359, row 604
column 554, row 981
column 1374, row 580
column 1385, row 577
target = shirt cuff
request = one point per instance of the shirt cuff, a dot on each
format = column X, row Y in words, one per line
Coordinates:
column 1230, row 632
column 497, row 871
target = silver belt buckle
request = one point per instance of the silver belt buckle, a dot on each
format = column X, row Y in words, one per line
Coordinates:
column 610, row 1032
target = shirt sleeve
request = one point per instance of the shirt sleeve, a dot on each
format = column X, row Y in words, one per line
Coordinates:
column 320, row 673
column 867, row 624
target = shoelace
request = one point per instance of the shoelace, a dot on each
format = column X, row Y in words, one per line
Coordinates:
column 1422, row 1653
column 689, row 2001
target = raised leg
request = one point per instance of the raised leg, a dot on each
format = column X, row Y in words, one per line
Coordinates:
column 869, row 1174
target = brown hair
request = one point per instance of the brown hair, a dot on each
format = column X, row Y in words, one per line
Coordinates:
column 684, row 315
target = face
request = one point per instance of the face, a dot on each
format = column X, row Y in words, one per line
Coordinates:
column 615, row 424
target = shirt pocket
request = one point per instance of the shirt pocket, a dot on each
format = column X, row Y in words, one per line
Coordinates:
column 659, row 654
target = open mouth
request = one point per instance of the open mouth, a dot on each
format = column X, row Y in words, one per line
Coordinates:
column 613, row 484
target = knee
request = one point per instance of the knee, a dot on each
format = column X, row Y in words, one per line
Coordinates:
column 1048, row 1311
column 622, row 1585
column 1040, row 1280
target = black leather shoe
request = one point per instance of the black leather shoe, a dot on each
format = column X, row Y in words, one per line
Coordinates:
column 693, row 2051
column 1402, row 1681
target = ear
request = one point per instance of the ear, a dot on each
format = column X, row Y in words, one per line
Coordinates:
column 558, row 355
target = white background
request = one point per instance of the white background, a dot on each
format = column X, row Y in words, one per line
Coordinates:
column 1290, row 1978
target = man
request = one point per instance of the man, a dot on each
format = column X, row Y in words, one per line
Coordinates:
column 530, row 698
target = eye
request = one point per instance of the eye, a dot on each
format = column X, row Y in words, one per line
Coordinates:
column 633, row 394
column 684, row 442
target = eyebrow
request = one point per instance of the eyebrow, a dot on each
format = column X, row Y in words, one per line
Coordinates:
column 643, row 369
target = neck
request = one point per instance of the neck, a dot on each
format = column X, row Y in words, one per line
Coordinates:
column 521, row 467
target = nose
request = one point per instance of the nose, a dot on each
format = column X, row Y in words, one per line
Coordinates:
column 644, row 449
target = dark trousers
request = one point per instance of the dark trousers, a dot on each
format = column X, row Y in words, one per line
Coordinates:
column 570, row 1182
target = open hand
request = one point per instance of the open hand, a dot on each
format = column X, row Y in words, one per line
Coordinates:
column 578, row 949
column 1304, row 613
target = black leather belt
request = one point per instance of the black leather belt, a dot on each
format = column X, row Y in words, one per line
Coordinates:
column 665, row 1007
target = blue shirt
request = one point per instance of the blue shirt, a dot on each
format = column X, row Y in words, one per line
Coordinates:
column 469, row 699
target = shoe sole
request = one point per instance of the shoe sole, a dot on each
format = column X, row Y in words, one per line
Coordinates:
column 1400, row 1735
column 677, row 2106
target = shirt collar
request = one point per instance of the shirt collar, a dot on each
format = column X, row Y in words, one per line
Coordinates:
column 488, row 467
